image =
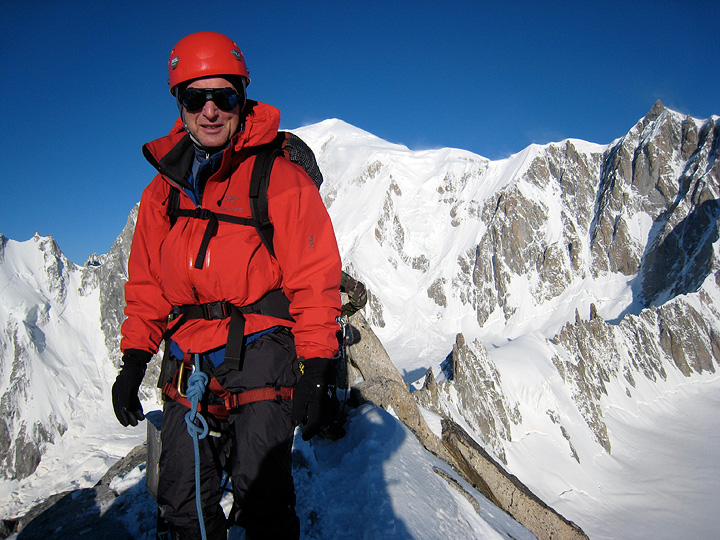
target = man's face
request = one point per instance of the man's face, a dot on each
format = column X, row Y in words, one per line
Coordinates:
column 211, row 126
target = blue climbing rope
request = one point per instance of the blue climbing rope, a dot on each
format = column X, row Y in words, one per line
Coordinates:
column 197, row 430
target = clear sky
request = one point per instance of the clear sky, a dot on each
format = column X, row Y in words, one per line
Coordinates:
column 87, row 84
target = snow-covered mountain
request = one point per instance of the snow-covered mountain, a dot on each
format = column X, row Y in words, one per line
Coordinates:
column 566, row 300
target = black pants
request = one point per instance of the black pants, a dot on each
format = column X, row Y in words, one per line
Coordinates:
column 254, row 448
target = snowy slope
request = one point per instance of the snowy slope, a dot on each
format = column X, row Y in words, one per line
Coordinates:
column 376, row 483
column 662, row 477
column 51, row 380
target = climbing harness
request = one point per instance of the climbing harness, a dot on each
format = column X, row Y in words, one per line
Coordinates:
column 174, row 390
column 197, row 430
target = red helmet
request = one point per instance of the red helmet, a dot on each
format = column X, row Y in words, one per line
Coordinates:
column 205, row 54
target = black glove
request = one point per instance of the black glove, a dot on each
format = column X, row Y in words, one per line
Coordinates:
column 315, row 404
column 125, row 390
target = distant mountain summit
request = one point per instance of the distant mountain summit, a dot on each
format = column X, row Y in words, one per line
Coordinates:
column 507, row 239
column 544, row 291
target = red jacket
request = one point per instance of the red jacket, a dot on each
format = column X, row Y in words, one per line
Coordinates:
column 237, row 267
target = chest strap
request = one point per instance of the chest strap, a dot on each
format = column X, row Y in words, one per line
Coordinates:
column 273, row 304
column 213, row 219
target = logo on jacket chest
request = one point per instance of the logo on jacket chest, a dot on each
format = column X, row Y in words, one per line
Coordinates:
column 230, row 203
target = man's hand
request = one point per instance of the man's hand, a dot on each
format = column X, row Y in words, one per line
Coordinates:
column 315, row 404
column 127, row 384
column 357, row 294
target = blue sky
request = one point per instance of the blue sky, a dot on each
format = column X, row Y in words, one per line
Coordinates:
column 88, row 84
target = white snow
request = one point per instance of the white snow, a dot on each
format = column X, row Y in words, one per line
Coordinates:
column 376, row 483
column 662, row 477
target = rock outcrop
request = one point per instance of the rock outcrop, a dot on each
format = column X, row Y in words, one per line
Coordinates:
column 383, row 386
column 85, row 514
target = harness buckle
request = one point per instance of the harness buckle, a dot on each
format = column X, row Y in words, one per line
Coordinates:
column 202, row 213
column 215, row 310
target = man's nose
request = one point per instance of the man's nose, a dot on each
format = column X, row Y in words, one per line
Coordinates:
column 210, row 110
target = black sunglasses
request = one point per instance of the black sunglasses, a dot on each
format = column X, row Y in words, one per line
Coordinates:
column 194, row 99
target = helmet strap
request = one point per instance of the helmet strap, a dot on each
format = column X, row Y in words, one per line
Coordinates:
column 209, row 150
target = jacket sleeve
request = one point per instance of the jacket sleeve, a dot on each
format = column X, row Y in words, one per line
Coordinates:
column 146, row 308
column 307, row 251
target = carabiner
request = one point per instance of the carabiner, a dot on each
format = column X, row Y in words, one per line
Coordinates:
column 180, row 376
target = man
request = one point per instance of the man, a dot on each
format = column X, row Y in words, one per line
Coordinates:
column 209, row 268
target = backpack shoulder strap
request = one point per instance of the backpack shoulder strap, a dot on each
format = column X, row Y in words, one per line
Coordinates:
column 259, row 182
column 173, row 204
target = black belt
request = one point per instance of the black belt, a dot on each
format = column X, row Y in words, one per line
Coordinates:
column 273, row 304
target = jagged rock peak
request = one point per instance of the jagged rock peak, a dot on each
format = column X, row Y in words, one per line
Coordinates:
column 47, row 243
column 656, row 110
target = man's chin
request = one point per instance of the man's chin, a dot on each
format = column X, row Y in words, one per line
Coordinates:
column 213, row 144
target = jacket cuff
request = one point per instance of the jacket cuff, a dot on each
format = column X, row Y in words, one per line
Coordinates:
column 136, row 357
